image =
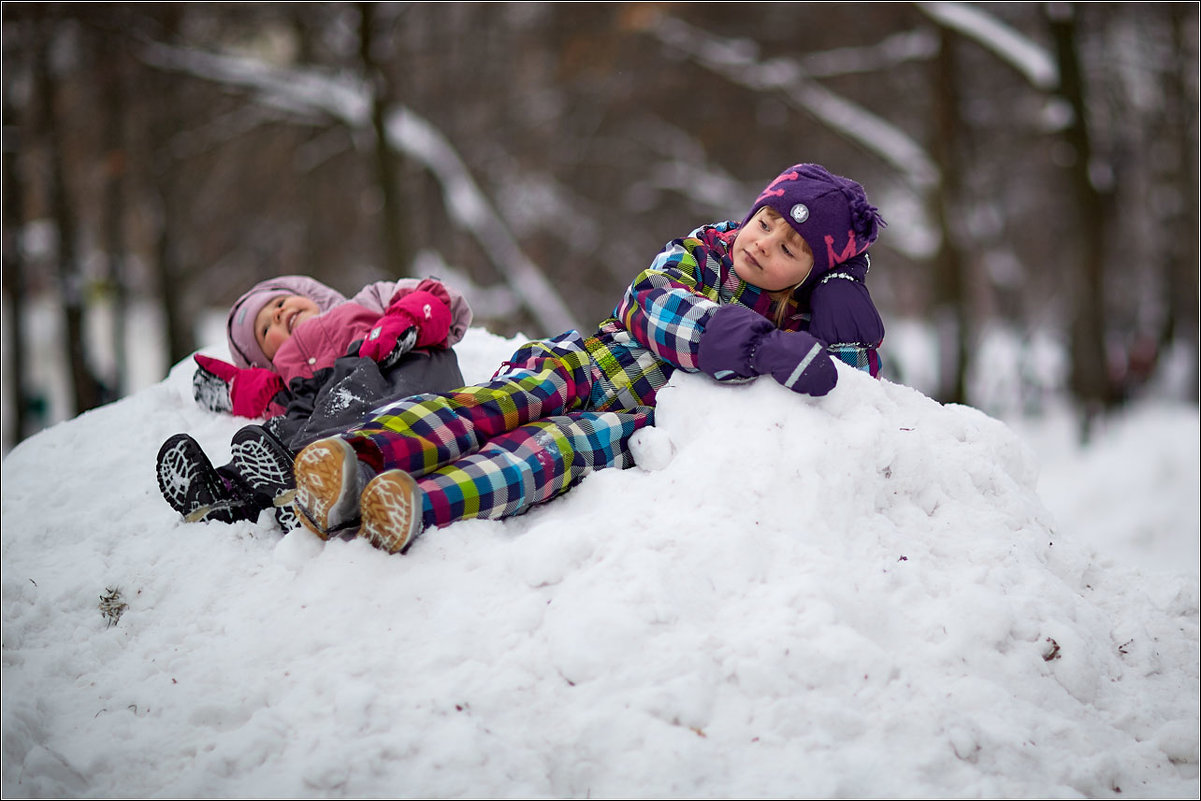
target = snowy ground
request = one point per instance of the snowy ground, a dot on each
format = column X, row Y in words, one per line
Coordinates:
column 863, row 595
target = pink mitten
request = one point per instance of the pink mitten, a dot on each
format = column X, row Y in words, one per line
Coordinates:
column 426, row 310
column 221, row 387
column 392, row 336
column 433, row 286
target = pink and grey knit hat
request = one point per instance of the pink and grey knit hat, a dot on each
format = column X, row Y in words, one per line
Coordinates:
column 831, row 213
column 239, row 326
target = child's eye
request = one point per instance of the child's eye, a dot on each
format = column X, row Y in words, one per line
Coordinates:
column 787, row 252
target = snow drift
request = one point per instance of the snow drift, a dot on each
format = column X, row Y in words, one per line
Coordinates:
column 859, row 595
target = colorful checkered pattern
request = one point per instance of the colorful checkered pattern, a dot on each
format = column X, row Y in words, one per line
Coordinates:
column 858, row 356
column 426, row 432
column 529, row 465
column 490, row 451
column 667, row 306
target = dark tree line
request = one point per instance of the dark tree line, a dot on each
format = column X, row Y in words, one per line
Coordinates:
column 1038, row 164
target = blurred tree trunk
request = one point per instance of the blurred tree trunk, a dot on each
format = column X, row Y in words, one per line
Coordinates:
column 1090, row 381
column 14, row 262
column 1182, row 275
column 303, row 30
column 951, row 316
column 112, row 77
column 387, row 160
column 166, row 121
column 171, row 278
column 87, row 391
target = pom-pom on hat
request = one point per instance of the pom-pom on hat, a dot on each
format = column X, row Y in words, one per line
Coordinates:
column 239, row 325
column 831, row 213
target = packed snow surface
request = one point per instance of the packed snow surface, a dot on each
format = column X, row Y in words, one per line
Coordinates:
column 858, row 595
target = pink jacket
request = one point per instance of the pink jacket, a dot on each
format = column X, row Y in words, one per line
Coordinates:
column 321, row 340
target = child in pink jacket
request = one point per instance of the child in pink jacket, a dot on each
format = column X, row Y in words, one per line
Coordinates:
column 312, row 362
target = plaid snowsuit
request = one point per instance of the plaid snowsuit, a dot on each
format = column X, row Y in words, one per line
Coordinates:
column 563, row 407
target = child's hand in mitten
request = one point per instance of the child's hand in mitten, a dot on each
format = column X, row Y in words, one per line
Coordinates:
column 429, row 305
column 426, row 308
column 731, row 335
column 391, row 338
column 843, row 313
column 739, row 343
column 434, row 287
column 209, row 389
column 221, row 387
column 797, row 360
column 430, row 309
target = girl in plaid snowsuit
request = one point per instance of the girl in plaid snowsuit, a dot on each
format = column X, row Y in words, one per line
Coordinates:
column 778, row 293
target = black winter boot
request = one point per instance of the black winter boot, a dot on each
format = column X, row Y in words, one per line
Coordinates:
column 197, row 490
column 265, row 464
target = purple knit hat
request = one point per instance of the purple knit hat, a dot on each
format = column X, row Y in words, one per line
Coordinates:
column 831, row 213
column 239, row 326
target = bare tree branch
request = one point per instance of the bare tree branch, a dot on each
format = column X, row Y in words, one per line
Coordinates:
column 738, row 62
column 1036, row 64
column 347, row 100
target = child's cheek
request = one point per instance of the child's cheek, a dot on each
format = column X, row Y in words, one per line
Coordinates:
column 278, row 338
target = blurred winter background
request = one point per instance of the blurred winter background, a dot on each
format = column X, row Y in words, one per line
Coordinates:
column 1037, row 164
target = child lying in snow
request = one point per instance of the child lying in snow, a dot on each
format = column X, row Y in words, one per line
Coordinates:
column 314, row 363
column 775, row 294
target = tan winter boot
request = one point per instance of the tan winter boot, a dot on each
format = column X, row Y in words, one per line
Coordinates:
column 327, row 487
column 391, row 509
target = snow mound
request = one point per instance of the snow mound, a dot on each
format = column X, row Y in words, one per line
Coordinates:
column 859, row 595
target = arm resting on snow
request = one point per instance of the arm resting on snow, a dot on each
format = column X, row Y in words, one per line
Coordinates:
column 740, row 344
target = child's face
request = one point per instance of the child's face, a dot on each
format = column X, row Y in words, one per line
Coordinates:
column 769, row 254
column 278, row 319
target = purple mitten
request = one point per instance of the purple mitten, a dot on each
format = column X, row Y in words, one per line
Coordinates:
column 797, row 360
column 843, row 313
column 738, row 343
column 731, row 336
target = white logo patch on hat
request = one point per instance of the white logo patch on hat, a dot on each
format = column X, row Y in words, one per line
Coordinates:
column 799, row 213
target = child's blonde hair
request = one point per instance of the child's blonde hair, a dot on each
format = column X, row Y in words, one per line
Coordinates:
column 781, row 297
